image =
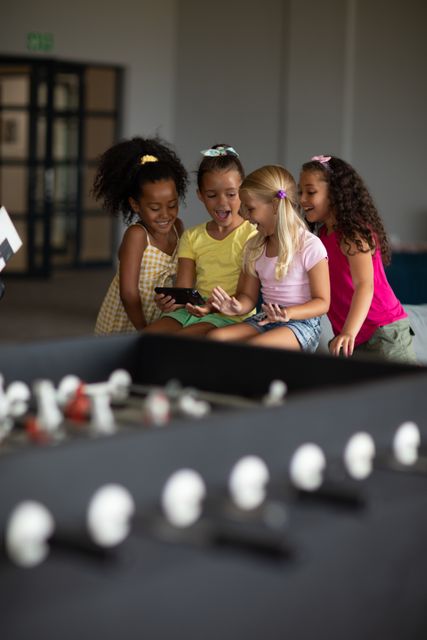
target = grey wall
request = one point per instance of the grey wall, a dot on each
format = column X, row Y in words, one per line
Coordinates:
column 281, row 80
column 358, row 88
column 229, row 80
column 137, row 34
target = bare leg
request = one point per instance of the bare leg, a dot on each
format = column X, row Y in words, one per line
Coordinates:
column 194, row 330
column 280, row 338
column 238, row 332
column 163, row 325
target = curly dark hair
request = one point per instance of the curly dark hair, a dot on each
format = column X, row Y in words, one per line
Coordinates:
column 357, row 217
column 120, row 174
column 224, row 162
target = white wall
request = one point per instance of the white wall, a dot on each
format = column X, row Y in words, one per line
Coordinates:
column 281, row 80
column 228, row 82
column 139, row 35
column 357, row 88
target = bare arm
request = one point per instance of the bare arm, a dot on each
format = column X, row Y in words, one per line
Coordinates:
column 185, row 277
column 131, row 251
column 318, row 277
column 362, row 274
column 245, row 300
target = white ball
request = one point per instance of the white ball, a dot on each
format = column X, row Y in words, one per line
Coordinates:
column 109, row 515
column 29, row 527
column 182, row 497
column 359, row 454
column 306, row 467
column 248, row 481
column 406, row 442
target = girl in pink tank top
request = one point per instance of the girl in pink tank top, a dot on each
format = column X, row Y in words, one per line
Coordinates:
column 364, row 312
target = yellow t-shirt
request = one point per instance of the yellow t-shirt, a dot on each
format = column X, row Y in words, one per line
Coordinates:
column 218, row 262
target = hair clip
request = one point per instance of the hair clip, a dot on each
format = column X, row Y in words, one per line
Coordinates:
column 281, row 194
column 219, row 151
column 145, row 159
column 321, row 159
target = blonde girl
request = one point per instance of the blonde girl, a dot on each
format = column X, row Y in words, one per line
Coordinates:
column 284, row 262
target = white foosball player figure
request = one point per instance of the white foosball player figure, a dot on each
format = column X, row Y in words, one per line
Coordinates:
column 359, row 454
column 248, row 481
column 67, row 389
column 276, row 394
column 307, row 467
column 406, row 443
column 28, row 530
column 102, row 421
column 156, row 408
column 109, row 515
column 49, row 416
column 117, row 387
column 14, row 402
column 182, row 497
column 190, row 406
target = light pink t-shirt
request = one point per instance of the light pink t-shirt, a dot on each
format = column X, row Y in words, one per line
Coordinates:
column 294, row 288
column 385, row 307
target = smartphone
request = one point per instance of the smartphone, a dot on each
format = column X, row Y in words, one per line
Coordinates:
column 182, row 295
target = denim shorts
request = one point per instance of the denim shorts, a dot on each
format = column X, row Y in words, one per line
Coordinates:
column 307, row 332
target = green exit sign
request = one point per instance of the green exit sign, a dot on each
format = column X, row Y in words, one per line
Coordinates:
column 39, row 41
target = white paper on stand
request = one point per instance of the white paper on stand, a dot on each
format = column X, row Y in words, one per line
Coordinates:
column 10, row 242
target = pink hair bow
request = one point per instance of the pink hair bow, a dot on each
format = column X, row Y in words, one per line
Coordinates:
column 321, row 159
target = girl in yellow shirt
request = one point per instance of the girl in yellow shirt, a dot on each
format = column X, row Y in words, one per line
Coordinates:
column 209, row 253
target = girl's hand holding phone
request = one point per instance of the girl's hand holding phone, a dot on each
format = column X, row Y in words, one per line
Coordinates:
column 165, row 303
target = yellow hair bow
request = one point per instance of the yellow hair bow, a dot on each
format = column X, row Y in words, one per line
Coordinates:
column 145, row 159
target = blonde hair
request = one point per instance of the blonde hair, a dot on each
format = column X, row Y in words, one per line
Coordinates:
column 266, row 183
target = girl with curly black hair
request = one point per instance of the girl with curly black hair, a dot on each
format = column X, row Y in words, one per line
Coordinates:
column 365, row 314
column 141, row 181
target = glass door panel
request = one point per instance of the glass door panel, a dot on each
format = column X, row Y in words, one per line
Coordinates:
column 66, row 139
column 14, row 189
column 14, row 140
column 14, row 134
column 100, row 134
column 56, row 118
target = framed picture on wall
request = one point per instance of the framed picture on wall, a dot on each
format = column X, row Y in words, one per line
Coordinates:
column 13, row 134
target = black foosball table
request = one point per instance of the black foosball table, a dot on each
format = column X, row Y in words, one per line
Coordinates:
column 158, row 487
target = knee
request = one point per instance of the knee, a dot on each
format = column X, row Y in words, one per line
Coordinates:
column 219, row 334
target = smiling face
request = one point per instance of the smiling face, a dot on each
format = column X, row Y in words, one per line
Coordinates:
column 219, row 192
column 259, row 212
column 314, row 198
column 157, row 206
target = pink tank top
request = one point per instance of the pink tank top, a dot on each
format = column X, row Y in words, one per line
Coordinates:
column 385, row 307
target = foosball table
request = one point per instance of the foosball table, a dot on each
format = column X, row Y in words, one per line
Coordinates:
column 154, row 486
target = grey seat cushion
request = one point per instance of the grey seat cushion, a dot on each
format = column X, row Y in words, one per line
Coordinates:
column 417, row 314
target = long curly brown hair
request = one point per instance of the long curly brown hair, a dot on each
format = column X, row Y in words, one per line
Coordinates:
column 357, row 218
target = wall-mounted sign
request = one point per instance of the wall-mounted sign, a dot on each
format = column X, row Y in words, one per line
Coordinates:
column 39, row 41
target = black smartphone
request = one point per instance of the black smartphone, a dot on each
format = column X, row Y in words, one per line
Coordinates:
column 182, row 295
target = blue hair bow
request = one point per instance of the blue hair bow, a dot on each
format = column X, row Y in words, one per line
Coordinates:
column 219, row 151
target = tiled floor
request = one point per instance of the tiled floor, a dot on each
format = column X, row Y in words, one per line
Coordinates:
column 62, row 306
